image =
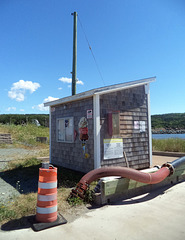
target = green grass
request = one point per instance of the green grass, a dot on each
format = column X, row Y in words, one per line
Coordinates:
column 168, row 145
column 21, row 206
column 25, row 135
column 20, row 164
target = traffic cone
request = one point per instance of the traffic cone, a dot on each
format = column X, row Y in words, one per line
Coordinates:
column 46, row 212
column 47, row 195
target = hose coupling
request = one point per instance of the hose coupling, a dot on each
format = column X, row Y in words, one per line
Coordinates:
column 170, row 166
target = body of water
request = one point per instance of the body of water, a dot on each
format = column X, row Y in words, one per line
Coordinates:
column 165, row 136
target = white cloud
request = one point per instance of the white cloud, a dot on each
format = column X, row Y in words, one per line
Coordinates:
column 79, row 82
column 18, row 89
column 59, row 88
column 65, row 80
column 21, row 110
column 11, row 109
column 41, row 107
column 69, row 80
column 49, row 99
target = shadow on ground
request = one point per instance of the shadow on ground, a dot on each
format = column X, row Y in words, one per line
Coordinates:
column 26, row 178
column 17, row 224
column 138, row 198
column 145, row 197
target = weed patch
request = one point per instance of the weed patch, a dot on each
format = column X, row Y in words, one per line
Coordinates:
column 169, row 145
column 23, row 205
column 6, row 213
column 74, row 201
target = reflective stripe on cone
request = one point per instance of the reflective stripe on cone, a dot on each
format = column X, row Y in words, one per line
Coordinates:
column 47, row 200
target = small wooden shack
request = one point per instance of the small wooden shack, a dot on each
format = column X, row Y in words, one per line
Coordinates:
column 108, row 126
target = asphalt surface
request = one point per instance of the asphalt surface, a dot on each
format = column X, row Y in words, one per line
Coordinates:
column 158, row 216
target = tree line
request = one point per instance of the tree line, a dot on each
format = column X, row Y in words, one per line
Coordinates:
column 168, row 121
column 19, row 119
column 165, row 121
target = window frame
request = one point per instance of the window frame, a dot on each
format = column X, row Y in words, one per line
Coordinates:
column 57, row 130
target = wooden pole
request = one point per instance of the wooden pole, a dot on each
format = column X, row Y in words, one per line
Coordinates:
column 74, row 53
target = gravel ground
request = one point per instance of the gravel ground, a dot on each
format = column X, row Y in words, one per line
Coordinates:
column 7, row 192
column 8, row 189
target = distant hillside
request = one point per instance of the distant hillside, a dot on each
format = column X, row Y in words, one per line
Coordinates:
column 168, row 121
column 18, row 119
column 163, row 121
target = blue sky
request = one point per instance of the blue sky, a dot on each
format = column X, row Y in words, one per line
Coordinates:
column 130, row 39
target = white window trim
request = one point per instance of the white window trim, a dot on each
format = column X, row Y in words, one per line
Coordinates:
column 65, row 118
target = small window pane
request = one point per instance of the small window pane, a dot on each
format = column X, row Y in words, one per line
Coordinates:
column 61, row 130
column 65, row 129
column 68, row 130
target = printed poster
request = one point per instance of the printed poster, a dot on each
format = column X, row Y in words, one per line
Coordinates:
column 142, row 126
column 113, row 148
column 136, row 124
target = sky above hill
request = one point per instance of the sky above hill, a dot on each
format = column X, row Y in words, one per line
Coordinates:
column 130, row 40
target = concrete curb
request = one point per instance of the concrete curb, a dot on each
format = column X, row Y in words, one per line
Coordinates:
column 169, row 154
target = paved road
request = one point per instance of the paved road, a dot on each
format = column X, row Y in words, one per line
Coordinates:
column 157, row 216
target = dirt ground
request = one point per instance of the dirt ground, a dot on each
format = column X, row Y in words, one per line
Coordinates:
column 160, row 160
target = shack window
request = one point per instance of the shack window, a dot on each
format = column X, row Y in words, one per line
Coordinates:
column 65, row 129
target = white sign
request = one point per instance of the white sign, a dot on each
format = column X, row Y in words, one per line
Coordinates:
column 113, row 148
column 142, row 126
column 136, row 124
column 89, row 114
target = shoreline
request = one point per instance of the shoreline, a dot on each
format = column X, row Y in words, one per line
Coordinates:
column 165, row 131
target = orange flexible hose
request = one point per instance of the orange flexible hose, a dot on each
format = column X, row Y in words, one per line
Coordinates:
column 150, row 178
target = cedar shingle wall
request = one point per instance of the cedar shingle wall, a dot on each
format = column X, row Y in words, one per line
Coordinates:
column 70, row 155
column 132, row 104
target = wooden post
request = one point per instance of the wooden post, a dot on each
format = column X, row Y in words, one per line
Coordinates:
column 74, row 53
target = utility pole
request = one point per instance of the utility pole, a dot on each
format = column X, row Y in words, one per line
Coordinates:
column 74, row 53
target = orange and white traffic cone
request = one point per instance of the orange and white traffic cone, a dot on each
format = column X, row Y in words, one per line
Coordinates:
column 46, row 213
column 47, row 195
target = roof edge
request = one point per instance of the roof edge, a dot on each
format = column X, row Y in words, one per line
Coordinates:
column 100, row 91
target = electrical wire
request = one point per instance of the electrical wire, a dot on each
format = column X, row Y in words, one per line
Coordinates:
column 90, row 48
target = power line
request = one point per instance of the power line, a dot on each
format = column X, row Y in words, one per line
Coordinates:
column 91, row 50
